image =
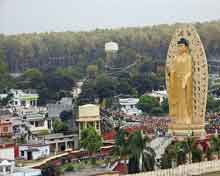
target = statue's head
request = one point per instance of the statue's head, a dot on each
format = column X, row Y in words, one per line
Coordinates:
column 183, row 45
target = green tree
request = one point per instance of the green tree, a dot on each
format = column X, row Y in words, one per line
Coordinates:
column 105, row 87
column 92, row 71
column 32, row 74
column 5, row 79
column 50, row 170
column 121, row 148
column 188, row 146
column 59, row 126
column 69, row 72
column 147, row 103
column 215, row 145
column 209, row 153
column 6, row 100
column 157, row 111
column 31, row 78
column 213, row 105
column 3, row 67
column 196, row 155
column 91, row 141
column 138, row 151
column 88, row 93
column 173, row 155
column 165, row 106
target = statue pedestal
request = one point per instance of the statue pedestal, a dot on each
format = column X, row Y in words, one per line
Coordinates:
column 186, row 129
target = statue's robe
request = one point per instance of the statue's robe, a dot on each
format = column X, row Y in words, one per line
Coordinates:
column 180, row 89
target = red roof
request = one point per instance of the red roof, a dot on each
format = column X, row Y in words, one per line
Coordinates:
column 109, row 135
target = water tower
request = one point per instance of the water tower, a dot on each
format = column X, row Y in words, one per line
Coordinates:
column 111, row 50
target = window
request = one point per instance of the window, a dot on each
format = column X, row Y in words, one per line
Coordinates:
column 8, row 169
column 81, row 125
column 49, row 124
column 23, row 103
column 97, row 125
column 22, row 153
column 90, row 124
column 5, row 129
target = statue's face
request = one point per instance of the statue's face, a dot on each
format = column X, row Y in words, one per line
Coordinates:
column 182, row 48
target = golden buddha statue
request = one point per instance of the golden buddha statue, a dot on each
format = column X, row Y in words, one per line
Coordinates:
column 180, row 85
column 186, row 82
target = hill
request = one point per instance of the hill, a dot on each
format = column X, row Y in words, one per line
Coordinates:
column 61, row 49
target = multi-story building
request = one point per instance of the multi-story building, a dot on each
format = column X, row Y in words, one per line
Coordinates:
column 20, row 98
column 37, row 123
column 59, row 142
column 33, row 151
column 7, row 151
column 128, row 106
column 7, row 168
column 160, row 94
column 5, row 124
column 89, row 115
column 63, row 110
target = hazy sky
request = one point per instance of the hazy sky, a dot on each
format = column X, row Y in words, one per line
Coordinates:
column 17, row 16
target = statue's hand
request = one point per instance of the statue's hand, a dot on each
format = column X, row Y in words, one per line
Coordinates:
column 184, row 83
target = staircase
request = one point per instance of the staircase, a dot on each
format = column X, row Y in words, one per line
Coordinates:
column 159, row 145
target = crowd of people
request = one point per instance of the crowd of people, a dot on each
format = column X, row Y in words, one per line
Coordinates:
column 159, row 125
column 156, row 125
column 212, row 123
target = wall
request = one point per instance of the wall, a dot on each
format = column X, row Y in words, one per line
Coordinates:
column 43, row 152
column 187, row 169
column 7, row 153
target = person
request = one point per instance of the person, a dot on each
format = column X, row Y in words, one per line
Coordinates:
column 180, row 85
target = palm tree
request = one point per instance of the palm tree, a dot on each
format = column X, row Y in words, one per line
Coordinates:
column 148, row 159
column 141, row 155
column 215, row 145
column 121, row 144
column 174, row 155
column 188, row 146
column 196, row 155
column 209, row 153
column 91, row 141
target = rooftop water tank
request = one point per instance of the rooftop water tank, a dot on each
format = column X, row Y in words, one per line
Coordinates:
column 111, row 47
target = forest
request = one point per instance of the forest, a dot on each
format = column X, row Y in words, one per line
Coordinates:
column 52, row 62
column 79, row 49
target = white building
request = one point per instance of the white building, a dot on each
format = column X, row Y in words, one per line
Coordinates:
column 34, row 151
column 7, row 152
column 59, row 142
column 128, row 106
column 7, row 168
column 20, row 98
column 77, row 89
column 37, row 122
column 2, row 96
column 160, row 94
column 55, row 109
